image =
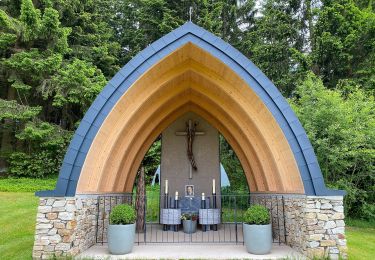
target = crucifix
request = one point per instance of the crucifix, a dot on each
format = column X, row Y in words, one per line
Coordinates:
column 190, row 134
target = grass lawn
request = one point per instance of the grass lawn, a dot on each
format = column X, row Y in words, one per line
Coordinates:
column 18, row 214
column 27, row 184
column 17, row 224
column 361, row 239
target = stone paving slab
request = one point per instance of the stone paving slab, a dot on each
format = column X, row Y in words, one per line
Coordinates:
column 190, row 251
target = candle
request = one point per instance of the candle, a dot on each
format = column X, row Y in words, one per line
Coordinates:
column 176, row 197
column 213, row 187
column 166, row 186
column 202, row 196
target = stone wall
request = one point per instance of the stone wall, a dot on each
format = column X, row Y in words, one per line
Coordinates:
column 295, row 226
column 64, row 226
column 315, row 225
column 324, row 220
column 312, row 225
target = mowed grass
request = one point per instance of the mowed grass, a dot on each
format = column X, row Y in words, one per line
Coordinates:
column 361, row 239
column 17, row 224
column 27, row 184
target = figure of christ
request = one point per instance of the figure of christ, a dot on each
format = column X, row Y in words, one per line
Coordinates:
column 190, row 135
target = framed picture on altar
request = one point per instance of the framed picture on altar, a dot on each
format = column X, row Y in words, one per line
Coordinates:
column 189, row 190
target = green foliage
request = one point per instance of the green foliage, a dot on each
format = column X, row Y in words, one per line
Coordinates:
column 12, row 110
column 45, row 146
column 344, row 44
column 92, row 38
column 35, row 165
column 233, row 168
column 30, row 19
column 122, row 214
column 189, row 216
column 140, row 23
column 32, row 66
column 6, row 40
column 275, row 42
column 153, row 202
column 52, row 32
column 235, row 195
column 340, row 124
column 151, row 161
column 257, row 215
column 27, row 184
column 76, row 83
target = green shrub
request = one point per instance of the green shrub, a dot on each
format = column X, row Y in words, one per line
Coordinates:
column 36, row 165
column 257, row 215
column 340, row 124
column 189, row 216
column 27, row 184
column 122, row 214
column 44, row 148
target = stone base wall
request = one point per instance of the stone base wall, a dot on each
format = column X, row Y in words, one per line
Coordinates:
column 64, row 226
column 312, row 225
column 295, row 226
column 324, row 220
column 315, row 225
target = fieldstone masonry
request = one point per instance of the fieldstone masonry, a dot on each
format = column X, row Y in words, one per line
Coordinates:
column 64, row 226
column 314, row 225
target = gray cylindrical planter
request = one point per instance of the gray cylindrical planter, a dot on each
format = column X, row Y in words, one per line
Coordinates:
column 121, row 238
column 190, row 226
column 257, row 238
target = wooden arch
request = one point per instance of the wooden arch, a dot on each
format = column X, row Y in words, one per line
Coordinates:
column 190, row 69
column 189, row 79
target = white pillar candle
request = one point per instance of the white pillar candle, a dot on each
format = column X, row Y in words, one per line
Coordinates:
column 213, row 187
column 176, row 197
column 166, row 186
column 203, row 196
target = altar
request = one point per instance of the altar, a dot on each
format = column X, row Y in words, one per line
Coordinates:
column 190, row 172
column 208, row 215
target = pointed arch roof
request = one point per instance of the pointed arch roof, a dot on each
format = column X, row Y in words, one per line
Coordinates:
column 90, row 125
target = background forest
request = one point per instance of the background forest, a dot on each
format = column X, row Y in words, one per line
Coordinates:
column 57, row 55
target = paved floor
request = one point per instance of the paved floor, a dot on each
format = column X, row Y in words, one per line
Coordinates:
column 190, row 251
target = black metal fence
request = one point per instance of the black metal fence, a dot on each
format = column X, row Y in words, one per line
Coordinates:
column 220, row 223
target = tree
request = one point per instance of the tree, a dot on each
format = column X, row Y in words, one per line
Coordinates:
column 151, row 161
column 340, row 124
column 138, row 23
column 40, row 83
column 232, row 165
column 92, row 38
column 275, row 43
column 344, row 48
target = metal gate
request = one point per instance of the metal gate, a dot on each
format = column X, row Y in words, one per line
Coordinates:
column 229, row 230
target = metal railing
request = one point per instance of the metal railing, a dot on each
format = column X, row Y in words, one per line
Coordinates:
column 230, row 209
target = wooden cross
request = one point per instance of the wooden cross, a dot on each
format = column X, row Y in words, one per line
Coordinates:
column 190, row 133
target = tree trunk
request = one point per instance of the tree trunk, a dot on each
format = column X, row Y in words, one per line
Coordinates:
column 140, row 201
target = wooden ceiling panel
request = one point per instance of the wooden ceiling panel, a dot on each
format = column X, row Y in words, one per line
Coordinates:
column 189, row 79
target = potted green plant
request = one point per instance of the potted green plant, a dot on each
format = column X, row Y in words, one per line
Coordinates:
column 257, row 230
column 121, row 229
column 189, row 222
